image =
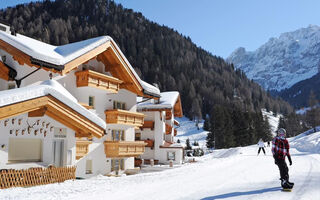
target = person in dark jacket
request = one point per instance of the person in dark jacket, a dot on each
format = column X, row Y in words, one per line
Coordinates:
column 280, row 150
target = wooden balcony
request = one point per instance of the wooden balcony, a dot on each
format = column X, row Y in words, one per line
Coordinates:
column 175, row 132
column 97, row 80
column 168, row 129
column 148, row 124
column 116, row 149
column 168, row 115
column 82, row 148
column 124, row 117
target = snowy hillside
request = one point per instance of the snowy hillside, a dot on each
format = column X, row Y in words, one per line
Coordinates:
column 232, row 174
column 188, row 129
column 273, row 120
column 282, row 62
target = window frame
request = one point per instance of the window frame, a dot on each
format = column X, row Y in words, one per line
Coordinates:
column 170, row 156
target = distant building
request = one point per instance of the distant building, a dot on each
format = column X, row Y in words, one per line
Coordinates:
column 159, row 130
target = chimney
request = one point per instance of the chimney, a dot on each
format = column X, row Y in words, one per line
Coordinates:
column 5, row 28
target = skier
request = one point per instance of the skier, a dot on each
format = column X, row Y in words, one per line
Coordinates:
column 261, row 146
column 280, row 149
column 268, row 143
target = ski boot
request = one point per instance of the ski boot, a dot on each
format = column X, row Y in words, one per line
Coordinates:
column 286, row 184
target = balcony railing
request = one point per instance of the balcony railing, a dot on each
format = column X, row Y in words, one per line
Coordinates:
column 124, row 117
column 168, row 129
column 97, row 80
column 168, row 115
column 82, row 148
column 114, row 149
column 148, row 124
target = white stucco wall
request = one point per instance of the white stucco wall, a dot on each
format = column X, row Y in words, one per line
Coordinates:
column 103, row 101
column 47, row 141
column 100, row 164
column 163, row 159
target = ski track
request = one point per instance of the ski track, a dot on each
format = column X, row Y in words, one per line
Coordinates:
column 232, row 174
column 305, row 184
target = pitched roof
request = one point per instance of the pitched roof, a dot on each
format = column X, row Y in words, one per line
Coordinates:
column 52, row 88
column 166, row 101
column 64, row 58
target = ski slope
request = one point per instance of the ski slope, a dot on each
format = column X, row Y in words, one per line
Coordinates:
column 236, row 173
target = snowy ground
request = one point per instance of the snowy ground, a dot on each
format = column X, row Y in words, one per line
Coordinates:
column 236, row 173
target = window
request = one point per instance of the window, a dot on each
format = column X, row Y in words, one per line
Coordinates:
column 118, row 135
column 119, row 105
column 171, row 155
column 88, row 166
column 91, row 101
column 138, row 136
column 117, row 164
column 25, row 150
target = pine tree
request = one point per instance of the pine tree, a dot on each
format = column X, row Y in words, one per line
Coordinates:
column 188, row 146
column 206, row 124
column 210, row 140
column 313, row 115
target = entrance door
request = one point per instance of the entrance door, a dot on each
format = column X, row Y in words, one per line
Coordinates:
column 58, row 149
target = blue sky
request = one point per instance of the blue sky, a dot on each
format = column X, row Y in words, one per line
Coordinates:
column 220, row 26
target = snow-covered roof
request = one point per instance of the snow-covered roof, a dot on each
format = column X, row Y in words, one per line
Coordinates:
column 57, row 55
column 166, row 101
column 49, row 87
column 61, row 55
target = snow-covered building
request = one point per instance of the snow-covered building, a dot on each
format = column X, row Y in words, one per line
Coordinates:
column 158, row 129
column 87, row 116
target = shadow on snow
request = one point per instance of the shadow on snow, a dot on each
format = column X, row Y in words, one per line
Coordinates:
column 237, row 194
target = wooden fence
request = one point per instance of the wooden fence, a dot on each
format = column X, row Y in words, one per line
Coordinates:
column 35, row 176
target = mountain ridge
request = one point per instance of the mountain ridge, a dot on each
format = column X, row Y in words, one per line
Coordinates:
column 283, row 61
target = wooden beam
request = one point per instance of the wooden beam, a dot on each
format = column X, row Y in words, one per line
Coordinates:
column 56, row 110
column 22, row 107
column 74, row 118
column 178, row 108
column 85, row 57
column 4, row 71
column 19, row 56
column 38, row 113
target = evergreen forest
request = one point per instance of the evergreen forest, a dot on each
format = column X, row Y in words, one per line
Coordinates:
column 210, row 88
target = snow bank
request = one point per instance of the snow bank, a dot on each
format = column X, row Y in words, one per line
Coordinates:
column 307, row 143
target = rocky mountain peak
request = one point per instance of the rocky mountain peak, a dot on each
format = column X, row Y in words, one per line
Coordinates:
column 282, row 61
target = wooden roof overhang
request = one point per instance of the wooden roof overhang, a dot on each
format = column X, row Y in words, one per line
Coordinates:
column 57, row 110
column 106, row 53
column 177, row 109
column 4, row 72
column 155, row 109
